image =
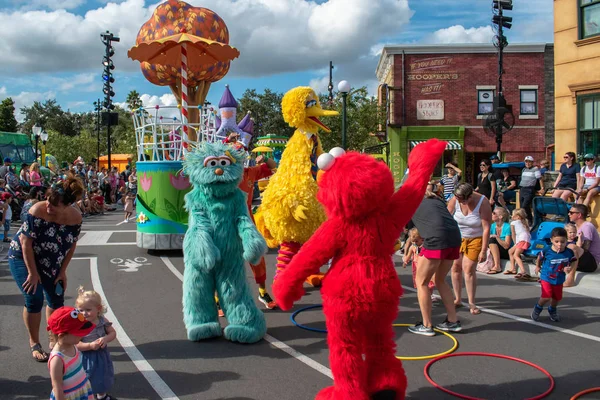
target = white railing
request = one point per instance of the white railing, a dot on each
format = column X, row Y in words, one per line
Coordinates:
column 159, row 132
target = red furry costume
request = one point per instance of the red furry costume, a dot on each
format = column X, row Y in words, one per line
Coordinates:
column 361, row 290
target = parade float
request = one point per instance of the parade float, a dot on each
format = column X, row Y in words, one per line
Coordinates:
column 269, row 146
column 185, row 48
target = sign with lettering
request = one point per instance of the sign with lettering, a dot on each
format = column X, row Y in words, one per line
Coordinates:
column 433, row 77
column 431, row 63
column 432, row 88
column 430, row 109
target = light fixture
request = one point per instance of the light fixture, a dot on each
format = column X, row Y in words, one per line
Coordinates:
column 344, row 87
column 44, row 136
column 37, row 130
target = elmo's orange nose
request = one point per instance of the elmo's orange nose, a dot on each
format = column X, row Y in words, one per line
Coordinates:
column 218, row 171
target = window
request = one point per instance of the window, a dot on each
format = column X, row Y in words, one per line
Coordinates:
column 589, row 124
column 589, row 18
column 485, row 101
column 529, row 102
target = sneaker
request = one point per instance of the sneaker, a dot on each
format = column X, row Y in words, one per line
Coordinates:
column 554, row 317
column 535, row 314
column 125, row 220
column 220, row 311
column 421, row 329
column 448, row 326
column 267, row 301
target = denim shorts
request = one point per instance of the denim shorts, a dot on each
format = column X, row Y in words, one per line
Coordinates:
column 35, row 301
column 7, row 226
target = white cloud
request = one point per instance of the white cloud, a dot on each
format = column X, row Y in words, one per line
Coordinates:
column 25, row 99
column 460, row 34
column 80, row 81
column 76, row 104
column 167, row 105
column 51, row 4
column 285, row 36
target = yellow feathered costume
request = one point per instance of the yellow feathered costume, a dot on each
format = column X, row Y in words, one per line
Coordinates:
column 290, row 213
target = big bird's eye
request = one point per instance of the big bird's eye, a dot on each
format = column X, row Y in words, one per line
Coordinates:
column 311, row 103
column 224, row 161
column 211, row 161
column 74, row 314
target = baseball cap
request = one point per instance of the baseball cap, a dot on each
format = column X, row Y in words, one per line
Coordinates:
column 589, row 155
column 528, row 158
column 7, row 160
column 69, row 320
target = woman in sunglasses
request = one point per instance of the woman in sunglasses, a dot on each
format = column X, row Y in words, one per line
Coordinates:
column 589, row 181
column 486, row 184
column 566, row 182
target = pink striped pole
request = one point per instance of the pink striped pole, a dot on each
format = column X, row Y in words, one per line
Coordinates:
column 184, row 96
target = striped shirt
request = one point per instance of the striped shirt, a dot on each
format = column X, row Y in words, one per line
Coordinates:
column 449, row 183
column 76, row 385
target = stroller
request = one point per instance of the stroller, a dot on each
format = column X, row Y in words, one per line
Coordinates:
column 548, row 213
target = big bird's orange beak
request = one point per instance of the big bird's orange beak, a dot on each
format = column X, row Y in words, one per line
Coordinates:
column 312, row 113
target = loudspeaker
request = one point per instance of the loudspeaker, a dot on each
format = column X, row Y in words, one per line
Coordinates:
column 110, row 118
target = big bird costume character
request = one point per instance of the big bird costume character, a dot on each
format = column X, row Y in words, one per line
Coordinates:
column 290, row 213
column 220, row 237
column 361, row 289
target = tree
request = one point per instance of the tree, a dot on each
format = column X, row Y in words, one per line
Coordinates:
column 134, row 101
column 8, row 122
column 50, row 116
column 265, row 109
column 363, row 115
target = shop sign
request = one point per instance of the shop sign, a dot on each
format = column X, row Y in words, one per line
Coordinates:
column 431, row 63
column 433, row 77
column 430, row 109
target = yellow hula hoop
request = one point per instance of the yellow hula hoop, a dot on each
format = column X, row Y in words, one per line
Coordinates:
column 452, row 349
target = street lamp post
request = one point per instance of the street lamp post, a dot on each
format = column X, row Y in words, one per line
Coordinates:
column 344, row 88
column 37, row 131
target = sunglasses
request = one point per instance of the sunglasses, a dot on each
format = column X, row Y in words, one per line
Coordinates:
column 589, row 159
column 565, row 157
column 483, row 165
column 574, row 212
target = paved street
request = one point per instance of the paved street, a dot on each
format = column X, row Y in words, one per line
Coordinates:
column 153, row 359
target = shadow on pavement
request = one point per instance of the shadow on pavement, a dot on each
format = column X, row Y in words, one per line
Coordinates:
column 566, row 387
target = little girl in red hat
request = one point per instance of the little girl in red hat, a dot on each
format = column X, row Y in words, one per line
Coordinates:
column 69, row 380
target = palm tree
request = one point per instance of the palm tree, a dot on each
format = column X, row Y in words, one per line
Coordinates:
column 133, row 100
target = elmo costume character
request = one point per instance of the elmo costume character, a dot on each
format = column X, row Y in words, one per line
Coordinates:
column 361, row 290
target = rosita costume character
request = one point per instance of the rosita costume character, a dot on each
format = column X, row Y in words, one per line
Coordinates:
column 220, row 237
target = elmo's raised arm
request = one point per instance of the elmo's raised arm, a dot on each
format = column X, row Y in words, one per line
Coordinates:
column 421, row 163
column 320, row 248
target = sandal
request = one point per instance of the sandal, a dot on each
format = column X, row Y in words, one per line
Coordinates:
column 519, row 275
column 474, row 310
column 494, row 271
column 459, row 305
column 509, row 272
column 38, row 348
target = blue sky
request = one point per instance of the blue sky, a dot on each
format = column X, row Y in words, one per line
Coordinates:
column 52, row 48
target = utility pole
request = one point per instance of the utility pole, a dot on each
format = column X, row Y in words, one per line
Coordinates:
column 98, row 108
column 330, row 87
column 500, row 106
column 111, row 118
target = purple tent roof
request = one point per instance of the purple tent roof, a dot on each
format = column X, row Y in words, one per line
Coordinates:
column 217, row 122
column 227, row 101
column 249, row 127
column 244, row 121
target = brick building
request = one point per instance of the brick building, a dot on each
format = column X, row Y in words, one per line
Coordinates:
column 446, row 91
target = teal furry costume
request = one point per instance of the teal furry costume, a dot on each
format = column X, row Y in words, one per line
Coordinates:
column 220, row 237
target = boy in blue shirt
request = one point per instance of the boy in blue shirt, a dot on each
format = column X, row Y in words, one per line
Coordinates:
column 554, row 262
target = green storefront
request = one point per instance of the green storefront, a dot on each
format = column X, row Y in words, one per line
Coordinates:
column 403, row 139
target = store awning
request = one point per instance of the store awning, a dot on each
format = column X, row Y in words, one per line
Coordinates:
column 452, row 144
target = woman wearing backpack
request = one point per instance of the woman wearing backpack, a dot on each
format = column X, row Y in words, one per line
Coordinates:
column 589, row 180
column 486, row 185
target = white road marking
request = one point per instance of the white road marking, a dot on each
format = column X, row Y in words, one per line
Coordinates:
column 159, row 386
column 124, row 222
column 275, row 342
column 94, row 238
column 529, row 321
column 170, row 265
